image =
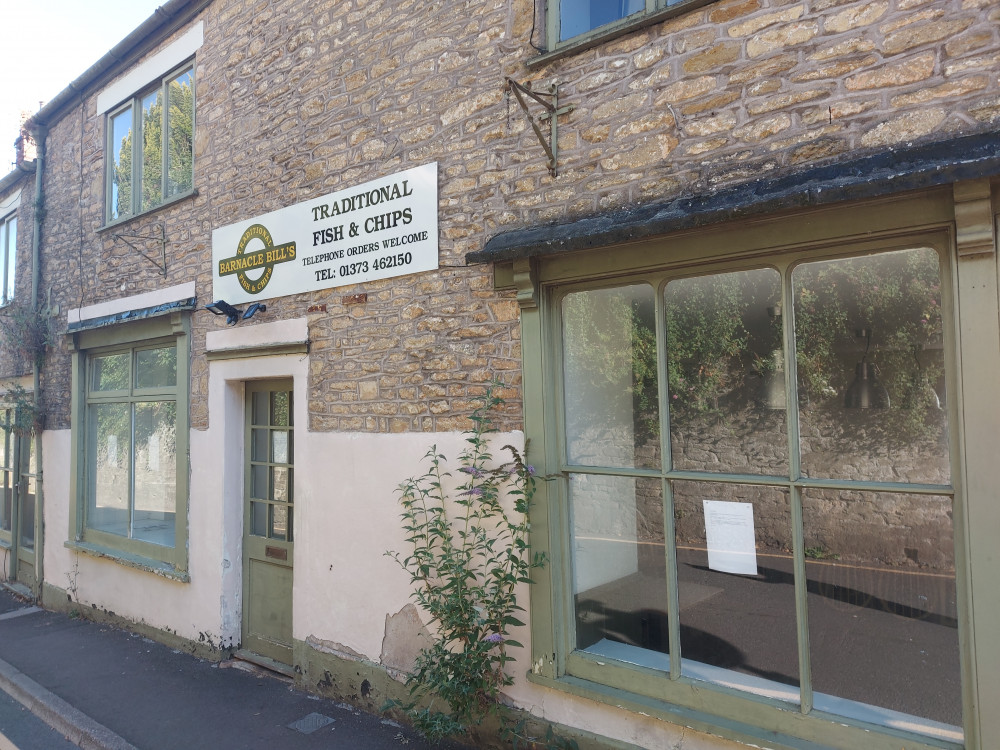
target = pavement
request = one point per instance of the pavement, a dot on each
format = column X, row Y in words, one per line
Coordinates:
column 75, row 682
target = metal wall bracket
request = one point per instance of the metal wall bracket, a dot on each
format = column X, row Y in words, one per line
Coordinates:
column 161, row 240
column 552, row 111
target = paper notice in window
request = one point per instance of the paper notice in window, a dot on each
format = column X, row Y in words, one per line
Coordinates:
column 730, row 537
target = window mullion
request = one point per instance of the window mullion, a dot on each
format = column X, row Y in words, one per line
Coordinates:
column 136, row 206
column 795, row 496
column 164, row 136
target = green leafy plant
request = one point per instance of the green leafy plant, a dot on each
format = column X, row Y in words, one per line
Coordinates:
column 467, row 553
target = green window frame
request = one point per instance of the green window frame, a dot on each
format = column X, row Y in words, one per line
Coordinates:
column 725, row 701
column 150, row 147
column 8, row 258
column 130, row 443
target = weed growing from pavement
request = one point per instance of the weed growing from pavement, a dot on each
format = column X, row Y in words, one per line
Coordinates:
column 467, row 554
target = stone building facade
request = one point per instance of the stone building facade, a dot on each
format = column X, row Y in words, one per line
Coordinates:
column 697, row 139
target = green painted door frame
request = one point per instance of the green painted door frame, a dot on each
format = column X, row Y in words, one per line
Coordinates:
column 268, row 520
column 18, row 530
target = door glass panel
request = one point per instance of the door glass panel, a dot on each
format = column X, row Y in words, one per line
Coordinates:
column 258, row 518
column 281, row 415
column 258, row 482
column 155, row 472
column 870, row 363
column 156, row 368
column 609, row 378
column 279, row 526
column 27, row 509
column 280, row 444
column 7, row 488
column 736, row 586
column 619, row 568
column 111, row 373
column 883, row 616
column 260, row 408
column 258, row 444
column 108, row 502
column 282, row 491
column 725, row 372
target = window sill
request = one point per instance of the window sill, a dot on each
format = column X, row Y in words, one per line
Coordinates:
column 777, row 723
column 146, row 564
column 131, row 217
column 599, row 36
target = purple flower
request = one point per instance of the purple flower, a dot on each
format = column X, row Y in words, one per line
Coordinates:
column 474, row 492
column 493, row 638
column 531, row 470
column 473, row 470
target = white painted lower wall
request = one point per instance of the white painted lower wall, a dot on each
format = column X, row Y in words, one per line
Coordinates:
column 347, row 517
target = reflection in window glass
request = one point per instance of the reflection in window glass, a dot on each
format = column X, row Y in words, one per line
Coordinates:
column 109, row 447
column 155, row 472
column 877, row 610
column 725, row 373
column 131, row 445
column 156, row 368
column 870, row 364
column 580, row 16
column 152, row 150
column 180, row 136
column 610, row 381
column 120, row 167
column 151, row 147
column 8, row 258
column 736, row 585
column 110, row 373
column 619, row 569
column 883, row 627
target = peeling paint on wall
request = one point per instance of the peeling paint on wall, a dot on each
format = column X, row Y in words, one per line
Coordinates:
column 405, row 637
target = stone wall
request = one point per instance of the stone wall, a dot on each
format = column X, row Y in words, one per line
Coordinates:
column 12, row 362
column 299, row 99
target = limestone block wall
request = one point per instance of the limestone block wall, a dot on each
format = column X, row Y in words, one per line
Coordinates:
column 299, row 99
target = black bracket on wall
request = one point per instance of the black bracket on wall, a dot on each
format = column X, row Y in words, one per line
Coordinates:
column 552, row 111
column 161, row 241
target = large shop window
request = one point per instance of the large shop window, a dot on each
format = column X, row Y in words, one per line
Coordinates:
column 150, row 147
column 8, row 258
column 756, row 478
column 131, row 417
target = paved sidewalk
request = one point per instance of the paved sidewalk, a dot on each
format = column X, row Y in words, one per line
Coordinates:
column 102, row 687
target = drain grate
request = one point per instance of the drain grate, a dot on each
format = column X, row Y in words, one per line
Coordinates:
column 312, row 722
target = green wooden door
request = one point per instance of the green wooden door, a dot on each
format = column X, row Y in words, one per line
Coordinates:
column 267, row 521
column 17, row 509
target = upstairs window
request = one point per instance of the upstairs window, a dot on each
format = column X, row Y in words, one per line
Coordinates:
column 151, row 146
column 8, row 258
column 577, row 17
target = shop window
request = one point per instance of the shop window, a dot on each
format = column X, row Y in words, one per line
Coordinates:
column 150, row 147
column 755, row 473
column 131, row 416
column 8, row 258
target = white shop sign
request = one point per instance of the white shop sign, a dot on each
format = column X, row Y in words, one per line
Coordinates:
column 381, row 229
